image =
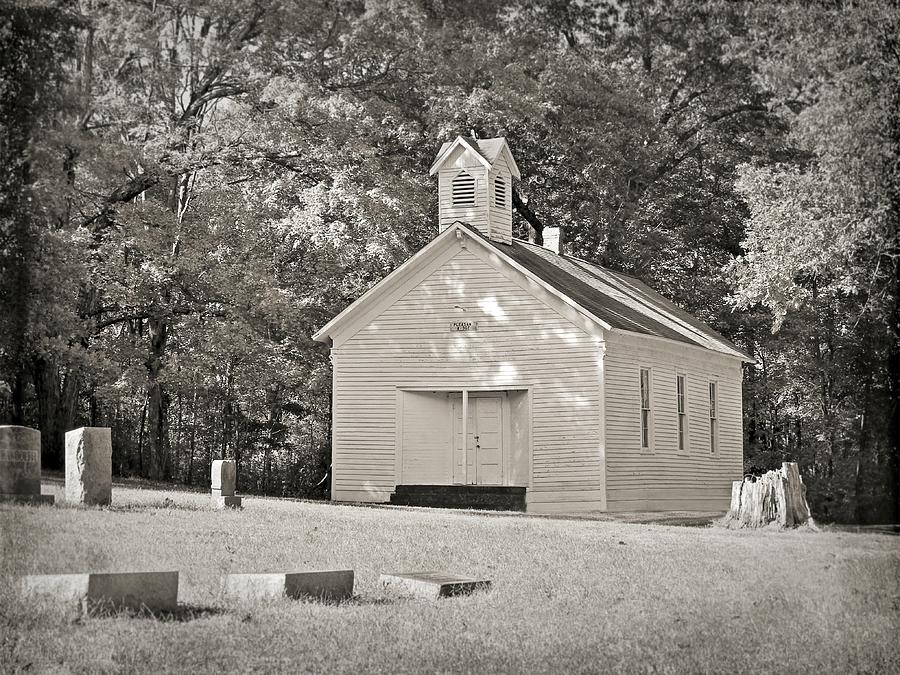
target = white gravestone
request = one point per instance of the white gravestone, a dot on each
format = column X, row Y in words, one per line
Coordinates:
column 20, row 465
column 223, row 481
column 89, row 466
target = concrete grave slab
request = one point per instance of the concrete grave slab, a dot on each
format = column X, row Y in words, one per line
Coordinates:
column 431, row 585
column 89, row 466
column 325, row 585
column 153, row 591
column 20, row 465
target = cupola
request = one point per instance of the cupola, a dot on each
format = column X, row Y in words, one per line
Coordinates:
column 475, row 185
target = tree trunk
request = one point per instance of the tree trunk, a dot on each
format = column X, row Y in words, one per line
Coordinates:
column 776, row 496
column 893, row 368
column 193, row 441
column 273, row 440
column 56, row 399
column 157, row 401
column 18, row 398
column 140, row 446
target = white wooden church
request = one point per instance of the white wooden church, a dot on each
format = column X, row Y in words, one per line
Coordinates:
column 491, row 372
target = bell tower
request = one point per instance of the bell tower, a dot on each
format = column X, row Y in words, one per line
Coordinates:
column 475, row 185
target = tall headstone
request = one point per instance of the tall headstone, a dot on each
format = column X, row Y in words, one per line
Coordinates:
column 223, row 483
column 89, row 466
column 20, row 465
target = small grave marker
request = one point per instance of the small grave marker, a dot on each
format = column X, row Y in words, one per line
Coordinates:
column 432, row 585
column 326, row 585
column 154, row 591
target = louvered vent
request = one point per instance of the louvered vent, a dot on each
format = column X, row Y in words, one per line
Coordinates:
column 499, row 192
column 464, row 190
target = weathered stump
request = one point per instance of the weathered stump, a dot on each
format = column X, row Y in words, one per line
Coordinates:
column 776, row 496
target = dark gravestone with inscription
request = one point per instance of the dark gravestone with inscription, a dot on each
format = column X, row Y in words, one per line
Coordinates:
column 20, row 465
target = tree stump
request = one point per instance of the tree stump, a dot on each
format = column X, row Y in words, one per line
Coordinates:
column 776, row 496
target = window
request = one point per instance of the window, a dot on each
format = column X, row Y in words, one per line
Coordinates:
column 645, row 409
column 499, row 192
column 682, row 413
column 464, row 190
column 713, row 420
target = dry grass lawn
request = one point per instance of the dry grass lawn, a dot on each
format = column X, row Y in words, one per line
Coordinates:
column 568, row 595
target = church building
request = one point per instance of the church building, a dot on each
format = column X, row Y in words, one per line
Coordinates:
column 490, row 372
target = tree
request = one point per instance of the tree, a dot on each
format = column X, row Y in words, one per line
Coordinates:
column 821, row 248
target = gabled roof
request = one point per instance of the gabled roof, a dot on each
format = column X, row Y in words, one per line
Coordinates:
column 610, row 299
column 624, row 302
column 486, row 150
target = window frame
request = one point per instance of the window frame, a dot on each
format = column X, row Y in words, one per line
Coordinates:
column 713, row 409
column 648, row 410
column 682, row 435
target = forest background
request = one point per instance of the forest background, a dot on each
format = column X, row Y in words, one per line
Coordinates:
column 191, row 187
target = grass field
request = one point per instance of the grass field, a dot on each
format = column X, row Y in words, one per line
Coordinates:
column 568, row 595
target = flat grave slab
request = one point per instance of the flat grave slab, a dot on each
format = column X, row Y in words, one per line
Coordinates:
column 153, row 591
column 431, row 585
column 325, row 585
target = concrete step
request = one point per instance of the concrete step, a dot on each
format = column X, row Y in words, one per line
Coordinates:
column 488, row 497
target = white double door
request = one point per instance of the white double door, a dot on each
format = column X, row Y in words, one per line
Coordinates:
column 482, row 461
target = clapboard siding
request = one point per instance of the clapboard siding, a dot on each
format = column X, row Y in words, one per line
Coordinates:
column 500, row 216
column 664, row 477
column 521, row 343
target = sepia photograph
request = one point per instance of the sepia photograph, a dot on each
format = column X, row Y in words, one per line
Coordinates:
column 450, row 336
